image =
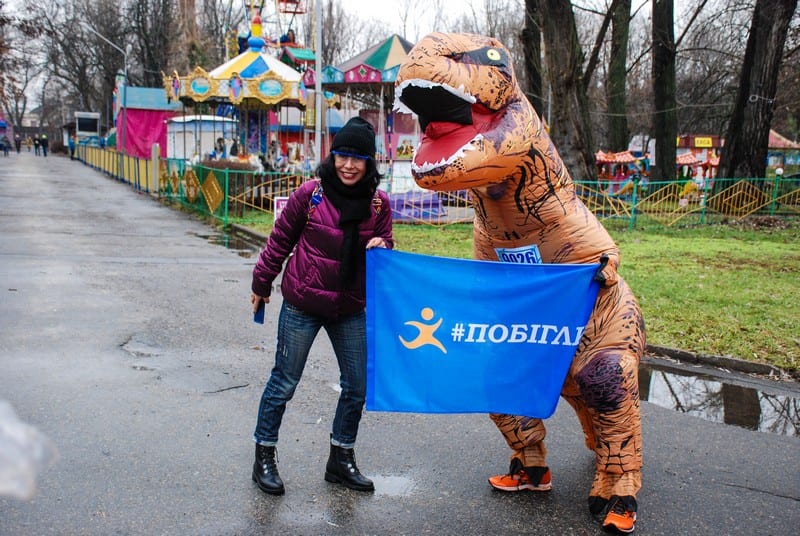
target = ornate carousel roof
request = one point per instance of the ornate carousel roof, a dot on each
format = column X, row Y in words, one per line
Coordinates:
column 254, row 79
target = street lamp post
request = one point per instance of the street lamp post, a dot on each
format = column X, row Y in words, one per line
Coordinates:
column 123, row 126
column 318, row 82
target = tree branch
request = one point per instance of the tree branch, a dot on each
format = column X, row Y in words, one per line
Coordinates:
column 591, row 65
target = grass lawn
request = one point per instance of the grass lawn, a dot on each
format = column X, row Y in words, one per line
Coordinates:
column 729, row 290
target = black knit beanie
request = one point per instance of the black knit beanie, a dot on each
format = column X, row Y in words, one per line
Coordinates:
column 356, row 135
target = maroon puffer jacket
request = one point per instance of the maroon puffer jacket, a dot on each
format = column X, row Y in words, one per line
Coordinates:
column 310, row 280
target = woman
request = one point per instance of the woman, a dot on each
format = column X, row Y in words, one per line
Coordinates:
column 327, row 224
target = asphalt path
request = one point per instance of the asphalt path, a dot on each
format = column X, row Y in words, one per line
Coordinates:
column 126, row 337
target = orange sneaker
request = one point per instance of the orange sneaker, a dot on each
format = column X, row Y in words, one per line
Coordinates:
column 621, row 514
column 521, row 478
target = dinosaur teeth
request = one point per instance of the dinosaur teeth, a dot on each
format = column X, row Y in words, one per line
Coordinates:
column 428, row 166
column 400, row 107
column 459, row 92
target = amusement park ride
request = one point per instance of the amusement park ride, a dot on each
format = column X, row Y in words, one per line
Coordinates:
column 253, row 84
column 281, row 95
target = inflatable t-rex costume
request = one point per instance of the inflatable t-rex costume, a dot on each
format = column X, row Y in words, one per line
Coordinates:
column 481, row 133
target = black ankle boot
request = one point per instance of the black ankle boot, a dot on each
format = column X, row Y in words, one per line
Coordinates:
column 265, row 471
column 342, row 469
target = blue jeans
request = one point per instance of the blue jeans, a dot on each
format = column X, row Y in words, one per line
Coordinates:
column 296, row 332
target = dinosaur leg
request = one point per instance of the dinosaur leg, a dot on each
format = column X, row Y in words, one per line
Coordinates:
column 525, row 437
column 608, row 405
column 584, row 417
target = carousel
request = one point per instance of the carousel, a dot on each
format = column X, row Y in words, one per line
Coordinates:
column 247, row 87
column 241, row 99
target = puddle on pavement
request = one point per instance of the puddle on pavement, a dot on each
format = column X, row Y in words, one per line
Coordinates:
column 231, row 241
column 393, row 486
column 719, row 401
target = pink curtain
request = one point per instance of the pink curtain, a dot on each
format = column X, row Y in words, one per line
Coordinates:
column 143, row 128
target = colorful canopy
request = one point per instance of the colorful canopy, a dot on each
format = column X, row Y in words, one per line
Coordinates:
column 382, row 56
column 368, row 72
column 622, row 157
column 687, row 159
column 253, row 79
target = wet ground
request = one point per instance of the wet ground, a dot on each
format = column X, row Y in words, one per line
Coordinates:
column 713, row 395
column 126, row 337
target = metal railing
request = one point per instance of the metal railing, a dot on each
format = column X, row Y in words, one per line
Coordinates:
column 242, row 195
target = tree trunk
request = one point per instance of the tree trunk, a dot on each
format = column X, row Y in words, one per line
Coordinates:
column 665, row 118
column 617, row 75
column 531, row 38
column 570, row 126
column 745, row 150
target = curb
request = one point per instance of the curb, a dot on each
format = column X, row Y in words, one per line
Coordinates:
column 254, row 238
column 724, row 362
column 257, row 240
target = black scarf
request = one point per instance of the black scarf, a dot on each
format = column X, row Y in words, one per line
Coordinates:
column 354, row 204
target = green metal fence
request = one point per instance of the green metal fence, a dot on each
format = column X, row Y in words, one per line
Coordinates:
column 242, row 195
column 692, row 203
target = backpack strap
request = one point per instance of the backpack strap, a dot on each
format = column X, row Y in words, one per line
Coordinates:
column 377, row 203
column 318, row 193
column 314, row 200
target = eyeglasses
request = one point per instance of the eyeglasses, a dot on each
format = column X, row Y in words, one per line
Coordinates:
column 344, row 156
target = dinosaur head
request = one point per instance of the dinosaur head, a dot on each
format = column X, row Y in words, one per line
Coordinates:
column 475, row 120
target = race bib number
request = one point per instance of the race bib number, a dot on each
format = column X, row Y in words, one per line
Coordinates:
column 521, row 255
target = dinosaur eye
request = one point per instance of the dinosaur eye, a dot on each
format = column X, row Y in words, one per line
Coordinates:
column 491, row 56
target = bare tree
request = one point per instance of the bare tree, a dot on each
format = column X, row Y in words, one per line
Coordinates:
column 152, row 25
column 569, row 74
column 665, row 123
column 531, row 45
column 6, row 60
column 666, row 82
column 14, row 92
column 338, row 22
column 617, row 77
column 71, row 62
column 745, row 153
column 787, row 100
column 707, row 63
column 440, row 21
column 17, row 66
column 406, row 14
column 639, row 88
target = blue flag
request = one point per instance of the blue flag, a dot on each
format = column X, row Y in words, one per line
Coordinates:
column 462, row 336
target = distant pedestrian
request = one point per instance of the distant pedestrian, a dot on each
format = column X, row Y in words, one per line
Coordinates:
column 6, row 143
column 36, row 145
column 17, row 142
column 28, row 143
column 71, row 144
column 45, row 143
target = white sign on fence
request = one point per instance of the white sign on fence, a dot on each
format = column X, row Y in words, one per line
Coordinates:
column 280, row 203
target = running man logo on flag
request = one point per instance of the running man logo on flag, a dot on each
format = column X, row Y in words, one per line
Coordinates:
column 462, row 336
